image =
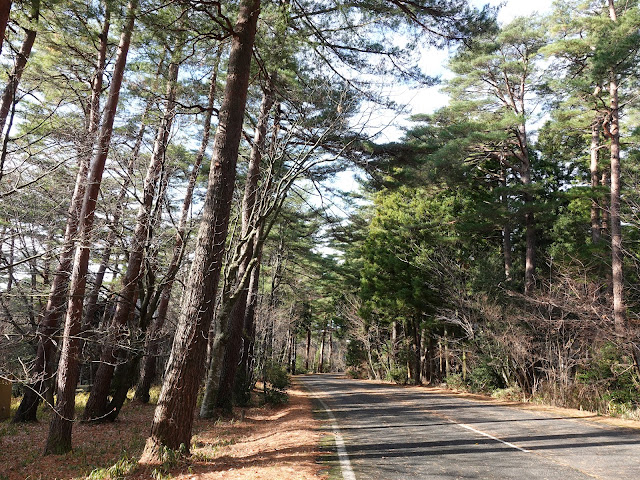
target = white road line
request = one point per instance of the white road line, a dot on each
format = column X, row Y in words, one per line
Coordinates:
column 493, row 438
column 343, row 457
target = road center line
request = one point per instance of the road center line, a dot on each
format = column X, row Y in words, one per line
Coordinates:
column 343, row 457
column 468, row 427
column 492, row 437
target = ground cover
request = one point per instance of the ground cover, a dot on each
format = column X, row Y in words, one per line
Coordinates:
column 265, row 442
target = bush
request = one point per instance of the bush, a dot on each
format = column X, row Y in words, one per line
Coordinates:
column 455, row 382
column 356, row 373
column 509, row 393
column 276, row 376
column 483, row 378
column 610, row 371
column 399, row 375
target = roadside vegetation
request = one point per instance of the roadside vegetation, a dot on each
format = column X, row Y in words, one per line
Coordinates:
column 173, row 208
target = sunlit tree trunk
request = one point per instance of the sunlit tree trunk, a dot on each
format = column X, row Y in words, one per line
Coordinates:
column 111, row 355
column 594, row 168
column 619, row 311
column 236, row 321
column 43, row 368
column 173, row 419
column 148, row 368
column 5, row 10
column 91, row 307
column 59, row 438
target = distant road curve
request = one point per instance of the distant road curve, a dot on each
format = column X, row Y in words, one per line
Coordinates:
column 392, row 432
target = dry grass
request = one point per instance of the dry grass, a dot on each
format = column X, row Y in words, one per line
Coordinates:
column 261, row 443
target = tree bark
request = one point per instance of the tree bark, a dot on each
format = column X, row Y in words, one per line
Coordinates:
column 59, row 438
column 417, row 352
column 43, row 368
column 244, row 375
column 91, row 308
column 5, row 10
column 9, row 94
column 619, row 310
column 111, row 354
column 321, row 361
column 236, row 321
column 529, row 218
column 506, row 231
column 308, row 351
column 148, row 369
column 173, row 420
column 594, row 168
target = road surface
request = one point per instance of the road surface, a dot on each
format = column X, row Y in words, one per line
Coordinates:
column 392, row 432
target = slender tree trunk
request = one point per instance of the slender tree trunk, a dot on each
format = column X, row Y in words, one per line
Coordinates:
column 595, row 182
column 236, row 321
column 59, row 438
column 506, row 230
column 173, row 420
column 43, row 368
column 308, row 352
column 529, row 218
column 148, row 369
column 91, row 308
column 244, row 376
column 111, row 354
column 417, row 352
column 619, row 310
column 330, row 350
column 321, row 361
column 447, row 365
column 5, row 10
column 294, row 354
column 10, row 91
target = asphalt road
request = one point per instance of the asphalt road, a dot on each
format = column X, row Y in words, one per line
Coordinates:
column 392, row 432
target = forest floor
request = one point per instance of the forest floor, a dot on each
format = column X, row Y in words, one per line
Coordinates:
column 266, row 442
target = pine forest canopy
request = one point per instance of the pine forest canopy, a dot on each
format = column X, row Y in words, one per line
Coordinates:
column 165, row 176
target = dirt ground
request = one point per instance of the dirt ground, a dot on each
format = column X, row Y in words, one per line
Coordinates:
column 269, row 442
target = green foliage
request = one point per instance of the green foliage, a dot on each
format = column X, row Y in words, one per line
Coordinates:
column 118, row 471
column 483, row 378
column 278, row 380
column 611, row 370
column 399, row 375
column 455, row 381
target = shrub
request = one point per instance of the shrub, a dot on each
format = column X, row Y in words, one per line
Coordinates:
column 276, row 376
column 399, row 375
column 455, row 381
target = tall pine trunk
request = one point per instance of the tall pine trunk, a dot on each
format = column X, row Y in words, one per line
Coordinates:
column 10, row 91
column 236, row 321
column 59, row 438
column 173, row 419
column 5, row 10
column 148, row 368
column 619, row 311
column 594, row 168
column 307, row 351
column 43, row 368
column 506, row 230
column 128, row 294
column 529, row 217
column 91, row 308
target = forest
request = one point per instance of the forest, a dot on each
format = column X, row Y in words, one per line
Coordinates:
column 174, row 210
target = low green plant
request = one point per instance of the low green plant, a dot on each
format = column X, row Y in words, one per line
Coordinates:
column 117, row 471
column 455, row 381
column 513, row 392
column 483, row 378
column 277, row 382
column 399, row 375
